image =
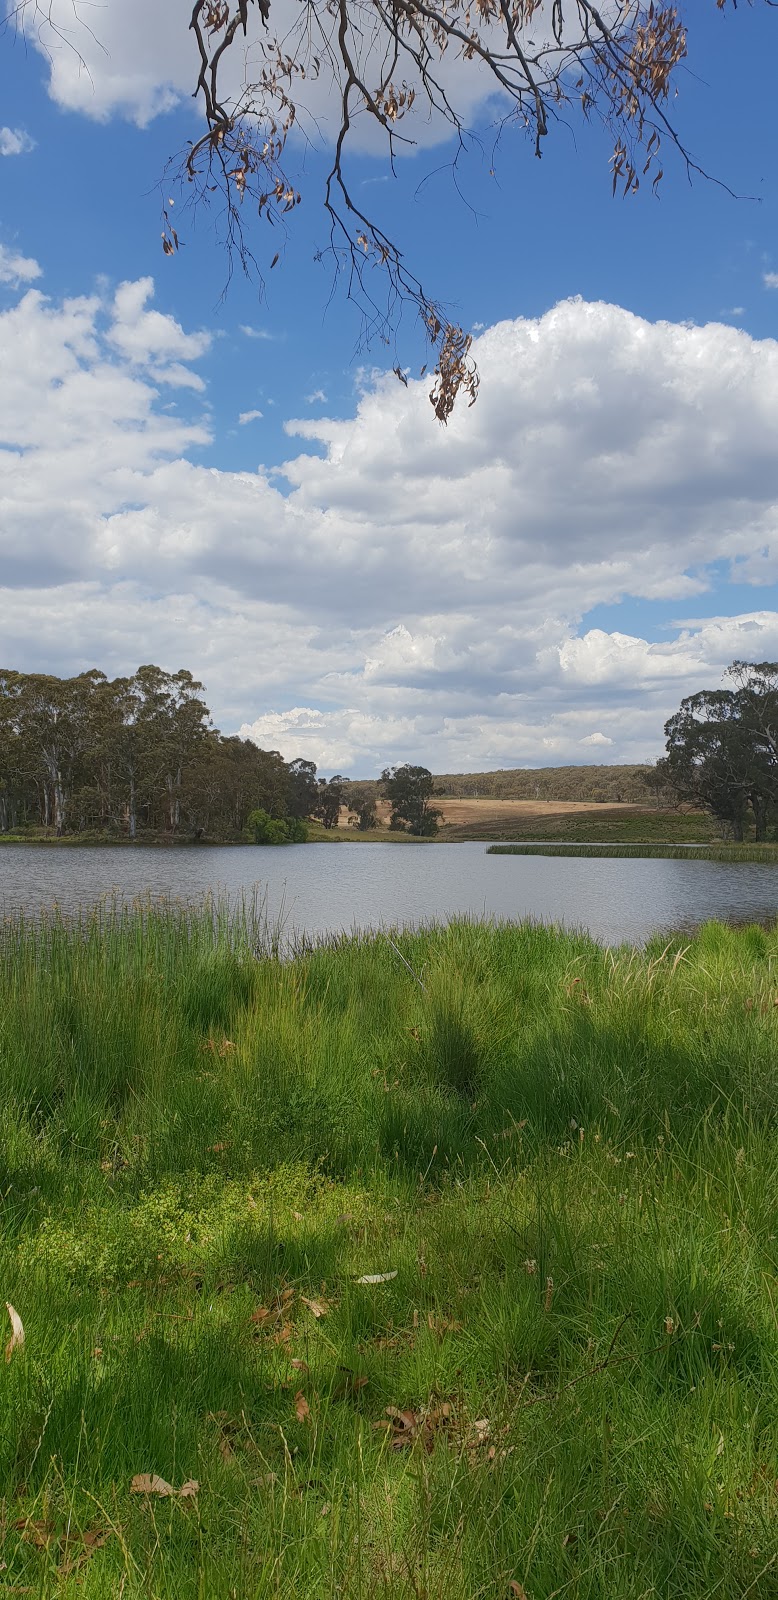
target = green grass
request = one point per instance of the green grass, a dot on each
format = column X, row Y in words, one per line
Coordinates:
column 646, row 852
column 603, row 825
column 565, row 1156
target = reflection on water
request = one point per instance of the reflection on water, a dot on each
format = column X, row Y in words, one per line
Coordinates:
column 325, row 888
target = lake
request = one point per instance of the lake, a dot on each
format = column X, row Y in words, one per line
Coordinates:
column 320, row 889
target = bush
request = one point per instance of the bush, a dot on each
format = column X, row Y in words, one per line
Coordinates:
column 276, row 830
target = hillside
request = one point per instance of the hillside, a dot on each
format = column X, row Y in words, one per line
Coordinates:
column 593, row 783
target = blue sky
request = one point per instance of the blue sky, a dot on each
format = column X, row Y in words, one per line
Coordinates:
column 484, row 597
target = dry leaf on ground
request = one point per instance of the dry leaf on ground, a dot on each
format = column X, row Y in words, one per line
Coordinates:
column 151, row 1483
column 318, row 1307
column 301, row 1406
column 517, row 1590
column 17, row 1332
column 377, row 1277
column 38, row 1533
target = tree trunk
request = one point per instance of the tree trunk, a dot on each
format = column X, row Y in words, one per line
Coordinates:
column 131, row 817
column 759, row 808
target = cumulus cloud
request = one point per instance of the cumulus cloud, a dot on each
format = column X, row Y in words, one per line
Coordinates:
column 16, row 268
column 140, row 61
column 770, row 280
column 249, row 416
column 15, row 142
column 402, row 591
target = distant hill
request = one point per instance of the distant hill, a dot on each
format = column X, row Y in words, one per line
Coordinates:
column 607, row 784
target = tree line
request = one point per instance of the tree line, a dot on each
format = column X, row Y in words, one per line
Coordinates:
column 133, row 755
column 722, row 749
column 139, row 756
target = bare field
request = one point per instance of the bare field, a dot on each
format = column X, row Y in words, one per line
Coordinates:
column 465, row 812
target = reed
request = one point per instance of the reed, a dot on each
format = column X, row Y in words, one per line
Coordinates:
column 442, row 1262
column 640, row 852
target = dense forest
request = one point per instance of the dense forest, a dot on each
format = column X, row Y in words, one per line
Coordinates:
column 135, row 756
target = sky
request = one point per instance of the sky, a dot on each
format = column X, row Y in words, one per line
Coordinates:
column 203, row 475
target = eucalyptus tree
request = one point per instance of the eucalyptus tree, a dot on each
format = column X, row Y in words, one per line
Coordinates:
column 409, row 790
column 722, row 748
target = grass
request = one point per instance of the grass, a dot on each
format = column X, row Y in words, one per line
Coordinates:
column 560, row 1161
column 647, row 852
column 601, row 825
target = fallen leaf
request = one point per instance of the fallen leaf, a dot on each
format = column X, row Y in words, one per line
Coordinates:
column 37, row 1533
column 299, row 1366
column 83, row 1546
column 151, row 1483
column 17, row 1332
column 376, row 1277
column 318, row 1307
column 301, row 1406
column 260, row 1315
column 517, row 1590
column 298, row 1216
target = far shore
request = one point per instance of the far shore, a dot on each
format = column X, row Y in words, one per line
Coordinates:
column 463, row 820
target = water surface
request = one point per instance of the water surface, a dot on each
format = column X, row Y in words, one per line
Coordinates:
column 319, row 889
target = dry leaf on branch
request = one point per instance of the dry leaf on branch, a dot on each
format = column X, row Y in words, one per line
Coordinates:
column 17, row 1332
column 151, row 1483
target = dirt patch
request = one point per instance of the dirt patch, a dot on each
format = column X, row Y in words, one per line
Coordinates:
column 462, row 812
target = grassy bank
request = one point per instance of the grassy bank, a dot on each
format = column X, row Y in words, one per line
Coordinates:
column 602, row 825
column 436, row 1267
column 647, row 852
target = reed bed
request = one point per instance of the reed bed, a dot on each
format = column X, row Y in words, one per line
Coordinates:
column 648, row 852
column 425, row 1264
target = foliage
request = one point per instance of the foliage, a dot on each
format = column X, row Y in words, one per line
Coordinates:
column 409, row 790
column 722, row 748
column 344, row 1276
column 265, row 829
column 361, row 802
column 329, row 799
column 133, row 756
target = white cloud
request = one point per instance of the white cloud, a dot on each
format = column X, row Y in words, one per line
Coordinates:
column 318, row 397
column 15, row 142
column 256, row 333
column 16, row 268
column 139, row 61
column 770, row 280
column 249, row 416
column 150, row 339
column 417, row 593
